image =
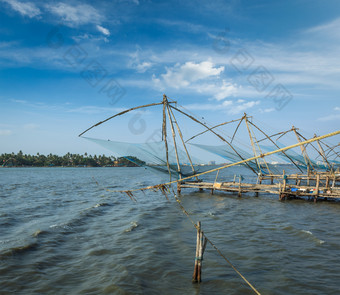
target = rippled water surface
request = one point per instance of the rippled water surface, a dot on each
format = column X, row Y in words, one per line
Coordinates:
column 62, row 232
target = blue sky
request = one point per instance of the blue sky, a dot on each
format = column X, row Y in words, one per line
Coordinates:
column 67, row 65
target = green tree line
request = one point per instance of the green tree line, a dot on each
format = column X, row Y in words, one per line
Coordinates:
column 69, row 160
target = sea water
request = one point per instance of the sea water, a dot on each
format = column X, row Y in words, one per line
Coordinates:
column 63, row 231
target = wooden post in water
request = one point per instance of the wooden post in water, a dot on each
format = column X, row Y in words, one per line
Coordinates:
column 178, row 188
column 239, row 187
column 316, row 193
column 201, row 243
column 284, row 181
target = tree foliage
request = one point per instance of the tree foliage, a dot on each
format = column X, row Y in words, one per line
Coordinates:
column 68, row 160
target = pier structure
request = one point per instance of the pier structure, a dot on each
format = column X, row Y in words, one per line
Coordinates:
column 322, row 186
column 314, row 164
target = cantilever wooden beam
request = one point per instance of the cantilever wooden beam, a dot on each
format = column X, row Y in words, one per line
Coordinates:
column 122, row 113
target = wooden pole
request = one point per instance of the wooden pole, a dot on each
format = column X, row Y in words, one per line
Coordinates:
column 252, row 142
column 174, row 138
column 164, row 136
column 258, row 146
column 218, row 135
column 197, row 256
column 322, row 153
column 303, row 151
column 201, row 243
column 283, row 192
column 179, row 188
column 119, row 114
column 234, row 164
column 316, row 193
column 239, row 187
column 184, row 145
column 268, row 137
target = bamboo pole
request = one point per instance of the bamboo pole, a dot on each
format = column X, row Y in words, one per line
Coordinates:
column 184, row 145
column 258, row 146
column 218, row 135
column 276, row 134
column 201, row 243
column 164, row 136
column 316, row 193
column 239, row 187
column 121, row 113
column 157, row 186
column 303, row 150
column 322, row 153
column 198, row 241
column 174, row 140
column 252, row 142
column 268, row 137
column 238, row 125
column 209, row 129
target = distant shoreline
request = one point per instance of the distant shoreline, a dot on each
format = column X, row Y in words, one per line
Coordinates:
column 68, row 166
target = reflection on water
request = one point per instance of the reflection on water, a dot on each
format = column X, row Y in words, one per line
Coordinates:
column 61, row 233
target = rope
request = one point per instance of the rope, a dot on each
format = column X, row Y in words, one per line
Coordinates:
column 228, row 165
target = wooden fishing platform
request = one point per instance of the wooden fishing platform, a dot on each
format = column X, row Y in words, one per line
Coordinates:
column 325, row 186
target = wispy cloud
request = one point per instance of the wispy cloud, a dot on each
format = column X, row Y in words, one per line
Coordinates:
column 94, row 110
column 76, row 15
column 227, row 106
column 103, row 30
column 138, row 62
column 5, row 132
column 331, row 117
column 28, row 9
column 329, row 29
column 31, row 126
column 182, row 25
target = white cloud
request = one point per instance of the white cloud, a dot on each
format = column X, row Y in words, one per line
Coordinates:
column 184, row 75
column 94, row 110
column 138, row 61
column 24, row 8
column 329, row 29
column 103, row 30
column 75, row 15
column 143, row 67
column 330, row 118
column 5, row 132
column 182, row 25
column 227, row 89
column 21, row 101
column 228, row 106
column 31, row 126
column 243, row 106
column 269, row 110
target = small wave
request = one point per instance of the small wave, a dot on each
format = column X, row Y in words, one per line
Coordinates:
column 39, row 233
column 112, row 186
column 101, row 205
column 19, row 250
column 60, row 225
column 134, row 225
column 315, row 239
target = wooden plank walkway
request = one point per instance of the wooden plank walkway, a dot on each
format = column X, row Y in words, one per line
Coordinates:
column 323, row 185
